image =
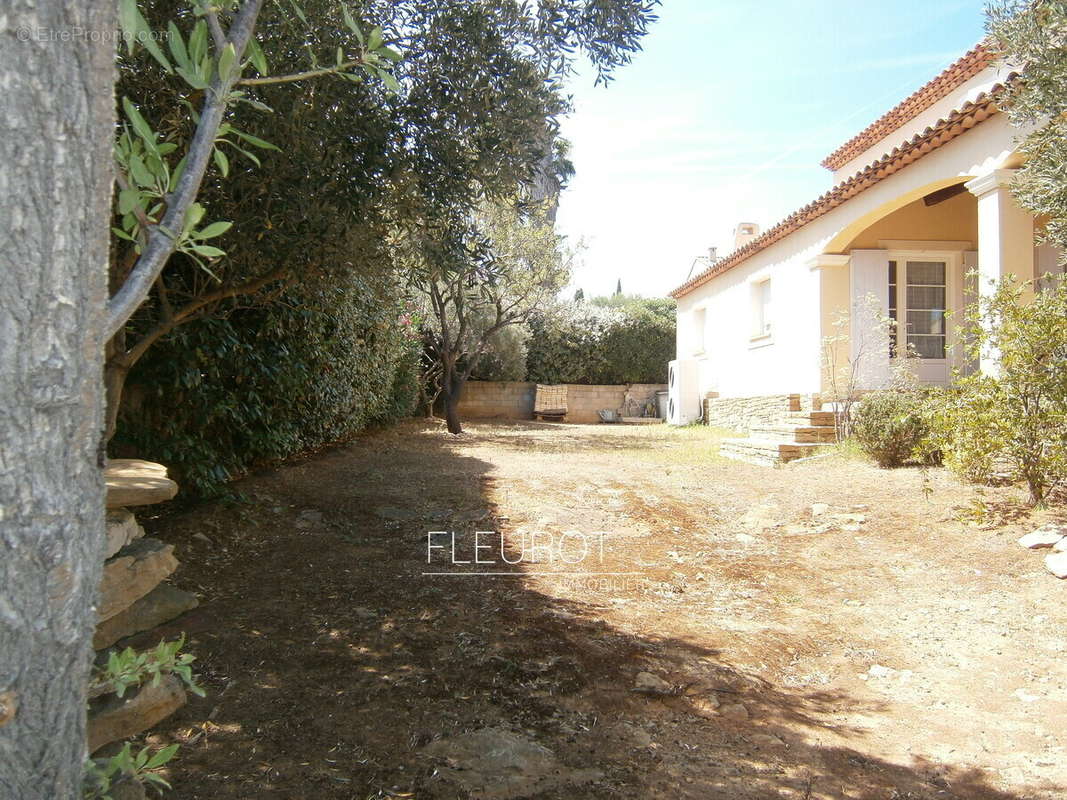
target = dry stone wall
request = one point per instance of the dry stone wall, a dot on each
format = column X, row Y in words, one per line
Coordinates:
column 746, row 413
column 133, row 597
column 515, row 400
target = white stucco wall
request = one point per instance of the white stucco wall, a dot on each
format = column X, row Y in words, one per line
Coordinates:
column 735, row 366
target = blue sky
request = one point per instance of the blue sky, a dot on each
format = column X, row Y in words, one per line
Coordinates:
column 725, row 116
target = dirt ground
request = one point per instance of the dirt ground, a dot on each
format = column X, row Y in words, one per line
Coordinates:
column 895, row 644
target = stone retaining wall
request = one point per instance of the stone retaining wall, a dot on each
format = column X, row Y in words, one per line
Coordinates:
column 133, row 598
column 746, row 413
column 515, row 399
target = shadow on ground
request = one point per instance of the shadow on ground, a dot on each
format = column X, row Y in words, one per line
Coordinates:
column 331, row 661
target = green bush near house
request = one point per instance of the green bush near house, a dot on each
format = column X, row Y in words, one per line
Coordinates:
column 891, row 426
column 1012, row 423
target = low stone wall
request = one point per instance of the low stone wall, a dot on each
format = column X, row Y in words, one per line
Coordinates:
column 745, row 413
column 515, row 400
column 133, row 598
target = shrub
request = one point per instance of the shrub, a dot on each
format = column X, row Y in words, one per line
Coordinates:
column 1015, row 421
column 103, row 775
column 891, row 427
column 505, row 358
column 638, row 343
column 128, row 668
column 564, row 344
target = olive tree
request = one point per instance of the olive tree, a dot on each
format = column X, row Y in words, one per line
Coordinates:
column 467, row 113
column 1030, row 33
column 162, row 160
column 515, row 265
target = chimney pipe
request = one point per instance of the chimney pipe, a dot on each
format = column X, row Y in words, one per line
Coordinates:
column 744, row 233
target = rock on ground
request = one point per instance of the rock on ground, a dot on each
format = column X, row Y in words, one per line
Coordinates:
column 160, row 605
column 308, row 519
column 705, row 706
column 647, row 683
column 496, row 764
column 134, row 571
column 112, row 718
column 1045, row 536
column 734, row 711
column 1056, row 563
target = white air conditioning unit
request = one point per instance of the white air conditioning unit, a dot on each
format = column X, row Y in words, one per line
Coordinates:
column 683, row 391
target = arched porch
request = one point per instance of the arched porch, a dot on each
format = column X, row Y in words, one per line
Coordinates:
column 895, row 281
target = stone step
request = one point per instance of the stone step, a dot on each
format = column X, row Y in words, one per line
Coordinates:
column 112, row 718
column 816, row 419
column 133, row 482
column 767, row 452
column 743, row 450
column 122, row 529
column 799, row 434
column 160, row 605
column 132, row 573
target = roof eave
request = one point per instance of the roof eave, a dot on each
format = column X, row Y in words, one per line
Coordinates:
column 960, row 71
column 941, row 133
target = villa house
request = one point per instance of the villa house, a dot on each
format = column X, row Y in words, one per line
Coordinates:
column 921, row 198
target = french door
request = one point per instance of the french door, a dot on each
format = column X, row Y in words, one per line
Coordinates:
column 918, row 302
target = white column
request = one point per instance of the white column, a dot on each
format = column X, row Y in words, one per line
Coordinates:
column 1005, row 239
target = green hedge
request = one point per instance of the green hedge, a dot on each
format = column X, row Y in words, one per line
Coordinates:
column 223, row 394
column 626, row 341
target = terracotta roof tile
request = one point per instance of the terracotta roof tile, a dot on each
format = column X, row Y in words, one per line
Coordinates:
column 940, row 133
column 965, row 68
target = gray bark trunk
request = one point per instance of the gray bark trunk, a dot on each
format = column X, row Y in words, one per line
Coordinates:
column 56, row 118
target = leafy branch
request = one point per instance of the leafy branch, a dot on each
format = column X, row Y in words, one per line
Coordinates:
column 157, row 201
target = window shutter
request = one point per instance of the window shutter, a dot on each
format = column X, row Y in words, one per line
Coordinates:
column 868, row 340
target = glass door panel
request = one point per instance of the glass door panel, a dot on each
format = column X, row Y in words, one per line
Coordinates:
column 926, row 291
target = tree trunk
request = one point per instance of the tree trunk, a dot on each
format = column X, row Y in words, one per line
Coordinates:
column 56, row 132
column 451, row 386
column 115, row 374
column 116, row 370
column 452, row 409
